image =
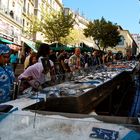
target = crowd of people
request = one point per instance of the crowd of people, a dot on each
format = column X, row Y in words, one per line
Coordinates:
column 46, row 65
column 60, row 64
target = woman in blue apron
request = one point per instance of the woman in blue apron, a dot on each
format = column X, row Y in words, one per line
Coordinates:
column 6, row 74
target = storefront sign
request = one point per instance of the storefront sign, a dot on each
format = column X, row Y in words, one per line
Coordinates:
column 7, row 37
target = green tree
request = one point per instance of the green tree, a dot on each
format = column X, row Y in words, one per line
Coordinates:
column 75, row 37
column 37, row 44
column 55, row 25
column 104, row 33
column 33, row 26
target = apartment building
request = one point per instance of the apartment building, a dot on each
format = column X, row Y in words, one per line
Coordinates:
column 33, row 7
column 127, row 43
column 11, row 20
column 28, row 10
column 15, row 17
column 49, row 5
column 136, row 37
column 80, row 24
column 26, row 39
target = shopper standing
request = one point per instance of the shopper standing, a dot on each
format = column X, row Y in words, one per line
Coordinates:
column 37, row 73
column 6, row 74
column 14, row 60
column 75, row 62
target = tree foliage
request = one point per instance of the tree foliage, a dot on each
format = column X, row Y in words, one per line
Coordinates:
column 37, row 44
column 52, row 24
column 33, row 26
column 55, row 25
column 104, row 33
column 75, row 37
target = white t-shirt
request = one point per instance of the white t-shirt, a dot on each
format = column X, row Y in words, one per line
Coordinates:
column 36, row 71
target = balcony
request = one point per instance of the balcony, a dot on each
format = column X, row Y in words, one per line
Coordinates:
column 3, row 9
column 10, row 15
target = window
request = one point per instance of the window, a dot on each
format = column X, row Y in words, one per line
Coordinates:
column 24, row 7
column 23, row 22
column 27, row 23
column 24, row 3
column 12, row 14
column 13, row 4
column 138, row 38
column 28, row 8
column 121, row 41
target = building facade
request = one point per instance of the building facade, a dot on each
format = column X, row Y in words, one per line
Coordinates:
column 11, row 20
column 33, row 7
column 15, row 16
column 127, row 43
column 79, row 25
column 49, row 5
column 136, row 37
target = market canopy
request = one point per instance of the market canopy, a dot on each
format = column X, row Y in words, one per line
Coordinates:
column 30, row 43
column 5, row 41
column 59, row 47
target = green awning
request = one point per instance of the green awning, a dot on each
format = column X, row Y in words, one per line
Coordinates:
column 5, row 41
column 30, row 43
column 62, row 48
column 57, row 48
column 32, row 46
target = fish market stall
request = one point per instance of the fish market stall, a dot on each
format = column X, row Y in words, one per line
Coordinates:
column 37, row 115
column 84, row 92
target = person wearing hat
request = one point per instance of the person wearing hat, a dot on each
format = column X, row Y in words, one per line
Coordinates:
column 6, row 74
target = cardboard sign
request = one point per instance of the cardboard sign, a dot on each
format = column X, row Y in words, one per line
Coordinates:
column 104, row 134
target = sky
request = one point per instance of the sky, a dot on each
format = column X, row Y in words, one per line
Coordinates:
column 125, row 13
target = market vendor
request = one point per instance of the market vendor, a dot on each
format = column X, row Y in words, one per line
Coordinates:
column 37, row 73
column 75, row 62
column 6, row 74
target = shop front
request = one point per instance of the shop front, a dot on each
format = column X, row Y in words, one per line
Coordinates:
column 6, row 39
column 28, row 44
column 10, row 32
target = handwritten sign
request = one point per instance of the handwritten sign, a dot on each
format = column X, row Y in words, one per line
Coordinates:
column 104, row 134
